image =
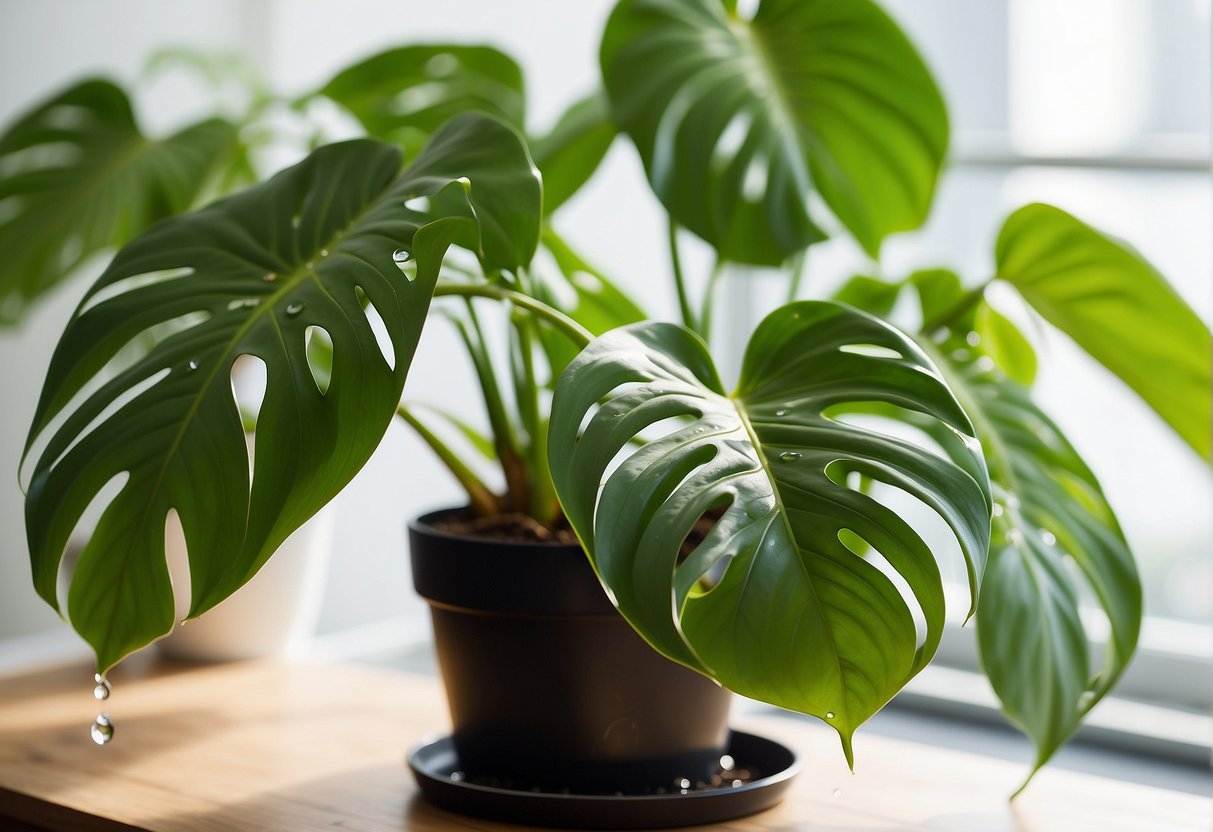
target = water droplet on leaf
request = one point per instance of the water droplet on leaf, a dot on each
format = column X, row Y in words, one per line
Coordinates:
column 401, row 256
column 102, row 730
column 270, row 277
column 781, row 412
column 294, row 309
column 829, row 714
column 789, row 456
column 1049, row 538
column 193, row 365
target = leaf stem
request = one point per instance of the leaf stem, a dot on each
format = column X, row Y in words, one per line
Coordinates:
column 684, row 300
column 948, row 316
column 709, row 299
column 574, row 331
column 799, row 261
column 482, row 500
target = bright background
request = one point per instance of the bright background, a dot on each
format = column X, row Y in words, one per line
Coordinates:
column 1099, row 106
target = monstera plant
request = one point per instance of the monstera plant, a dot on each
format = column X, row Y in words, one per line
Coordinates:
column 806, row 586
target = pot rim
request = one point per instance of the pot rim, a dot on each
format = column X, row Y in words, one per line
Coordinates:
column 422, row 524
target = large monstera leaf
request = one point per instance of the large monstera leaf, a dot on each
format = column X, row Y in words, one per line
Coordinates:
column 737, row 120
column 797, row 618
column 318, row 247
column 404, row 94
column 77, row 176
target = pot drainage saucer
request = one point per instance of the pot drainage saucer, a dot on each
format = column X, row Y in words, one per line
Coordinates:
column 441, row 781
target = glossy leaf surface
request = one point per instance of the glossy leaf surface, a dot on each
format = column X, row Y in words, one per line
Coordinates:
column 320, row 245
column 797, row 618
column 1117, row 307
column 77, row 176
column 738, row 120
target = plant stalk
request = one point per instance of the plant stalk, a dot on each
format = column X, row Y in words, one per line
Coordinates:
column 967, row 302
column 574, row 331
column 482, row 500
column 684, row 300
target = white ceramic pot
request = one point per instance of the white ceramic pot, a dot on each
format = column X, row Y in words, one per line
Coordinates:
column 274, row 614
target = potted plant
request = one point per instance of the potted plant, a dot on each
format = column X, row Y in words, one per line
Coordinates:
column 746, row 536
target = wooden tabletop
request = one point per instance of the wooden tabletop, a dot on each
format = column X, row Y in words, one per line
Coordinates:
column 270, row 746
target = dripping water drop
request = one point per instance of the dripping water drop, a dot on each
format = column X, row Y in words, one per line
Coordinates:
column 102, row 730
column 837, row 794
column 102, row 690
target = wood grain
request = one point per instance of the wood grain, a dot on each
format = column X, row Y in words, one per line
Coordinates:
column 256, row 746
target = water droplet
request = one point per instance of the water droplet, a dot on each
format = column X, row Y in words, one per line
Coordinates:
column 270, row 277
column 972, row 339
column 985, row 364
column 829, row 714
column 998, row 510
column 1049, row 538
column 193, row 365
column 293, row 309
column 401, row 256
column 781, row 412
column 727, row 763
column 324, row 252
column 789, row 456
column 102, row 730
column 837, row 794
column 736, row 783
column 683, row 783
column 309, row 265
column 102, row 690
column 457, row 776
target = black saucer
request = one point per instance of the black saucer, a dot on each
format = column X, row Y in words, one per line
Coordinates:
column 433, row 764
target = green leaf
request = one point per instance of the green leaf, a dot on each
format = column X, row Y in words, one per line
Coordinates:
column 871, row 294
column 1053, row 528
column 248, row 275
column 1005, row 344
column 797, row 619
column 1117, row 307
column 738, row 120
column 77, row 176
column 572, row 150
column 597, row 303
column 403, row 95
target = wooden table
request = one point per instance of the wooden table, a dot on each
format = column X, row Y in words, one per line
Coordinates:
column 265, row 746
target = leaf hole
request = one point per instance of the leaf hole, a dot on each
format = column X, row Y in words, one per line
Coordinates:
column 45, row 156
column 384, row 341
column 133, row 283
column 82, row 532
column 318, row 347
column 871, row 351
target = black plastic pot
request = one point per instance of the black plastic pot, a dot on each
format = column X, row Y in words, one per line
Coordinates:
column 547, row 684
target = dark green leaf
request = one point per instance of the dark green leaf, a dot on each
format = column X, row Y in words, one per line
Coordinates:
column 77, row 177
column 318, row 245
column 797, row 618
column 403, row 95
column 570, row 153
column 1116, row 307
column 1005, row 344
column 1052, row 528
column 737, row 120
